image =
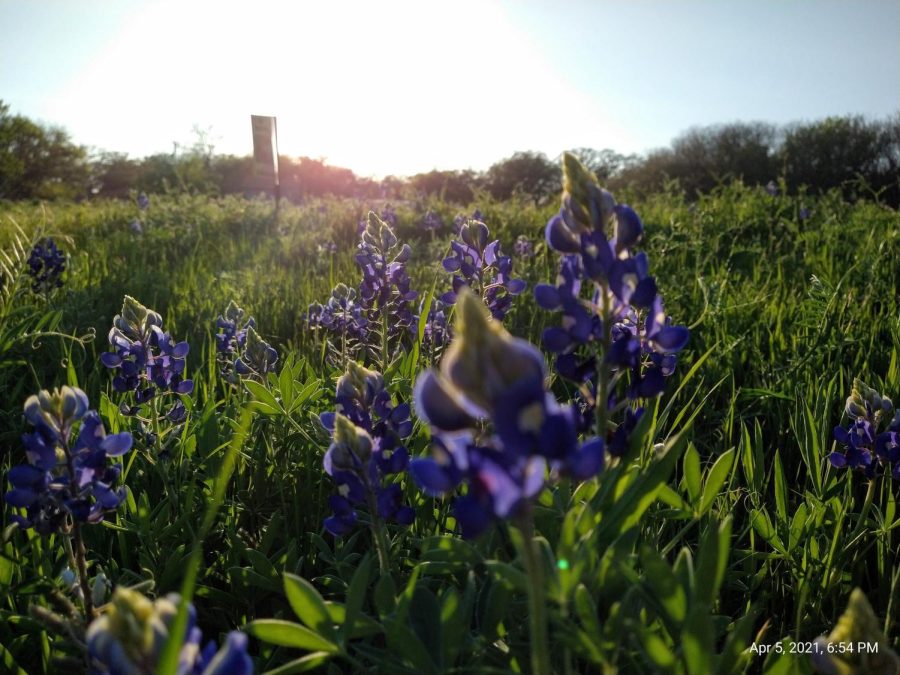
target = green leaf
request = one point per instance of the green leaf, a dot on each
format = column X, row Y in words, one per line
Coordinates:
column 385, row 595
column 691, row 468
column 663, row 587
column 761, row 522
column 715, row 479
column 404, row 642
column 781, row 493
column 356, row 595
column 301, row 665
column 697, row 641
column 262, row 395
column 288, row 634
column 308, row 605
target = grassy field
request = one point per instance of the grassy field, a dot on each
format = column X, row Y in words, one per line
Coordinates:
column 739, row 533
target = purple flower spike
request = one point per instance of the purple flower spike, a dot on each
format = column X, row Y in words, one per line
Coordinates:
column 368, row 431
column 68, row 476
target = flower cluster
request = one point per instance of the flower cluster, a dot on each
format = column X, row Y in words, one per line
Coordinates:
column 382, row 309
column 132, row 633
column 65, row 480
column 231, row 330
column 437, row 328
column 146, row 359
column 488, row 375
column 46, row 265
column 605, row 292
column 342, row 316
column 239, row 348
column 481, row 266
column 523, row 247
column 872, row 441
column 432, row 221
column 368, row 432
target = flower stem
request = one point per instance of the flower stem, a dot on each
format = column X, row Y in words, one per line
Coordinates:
column 378, row 535
column 602, row 402
column 79, row 551
column 537, row 614
column 80, row 556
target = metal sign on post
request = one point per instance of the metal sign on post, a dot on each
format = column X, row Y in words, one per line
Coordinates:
column 265, row 150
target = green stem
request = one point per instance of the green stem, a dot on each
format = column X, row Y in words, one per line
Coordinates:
column 537, row 614
column 379, row 536
column 79, row 553
column 603, row 368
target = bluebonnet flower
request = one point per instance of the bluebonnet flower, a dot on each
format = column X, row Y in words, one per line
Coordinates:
column 143, row 201
column 231, row 329
column 257, row 357
column 368, row 432
column 385, row 288
column 804, row 213
column 523, row 247
column 342, row 315
column 601, row 277
column 432, row 221
column 388, row 215
column 772, row 188
column 328, row 247
column 488, row 375
column 866, row 446
column 136, row 226
column 46, row 265
column 131, row 635
column 146, row 359
column 67, row 477
column 481, row 266
column 437, row 328
column 382, row 311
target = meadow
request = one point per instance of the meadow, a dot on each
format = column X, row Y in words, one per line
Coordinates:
column 714, row 536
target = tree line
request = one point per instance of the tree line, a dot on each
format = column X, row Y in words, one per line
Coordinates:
column 860, row 156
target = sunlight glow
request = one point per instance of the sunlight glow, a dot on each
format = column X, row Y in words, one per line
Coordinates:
column 400, row 88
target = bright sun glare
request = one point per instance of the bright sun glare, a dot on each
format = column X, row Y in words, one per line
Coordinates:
column 377, row 88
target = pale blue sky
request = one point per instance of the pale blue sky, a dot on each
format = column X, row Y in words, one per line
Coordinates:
column 406, row 86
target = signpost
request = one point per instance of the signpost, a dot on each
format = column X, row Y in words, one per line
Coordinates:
column 265, row 150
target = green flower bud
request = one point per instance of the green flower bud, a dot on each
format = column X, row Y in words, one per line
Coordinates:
column 484, row 360
column 349, row 438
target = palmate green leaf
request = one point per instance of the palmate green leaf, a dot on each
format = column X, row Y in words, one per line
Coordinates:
column 363, row 626
column 308, row 605
column 262, row 395
column 715, row 479
column 289, row 634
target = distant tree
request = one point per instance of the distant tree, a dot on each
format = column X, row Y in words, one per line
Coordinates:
column 37, row 161
column 527, row 173
column 452, row 186
column 606, row 164
column 114, row 175
column 834, row 152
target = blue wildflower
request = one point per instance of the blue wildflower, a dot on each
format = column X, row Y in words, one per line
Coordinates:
column 257, row 357
column 67, row 477
column 146, row 358
column 866, row 446
column 131, row 635
column 481, row 266
column 523, row 247
column 432, row 221
column 488, row 375
column 46, row 266
column 368, row 433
